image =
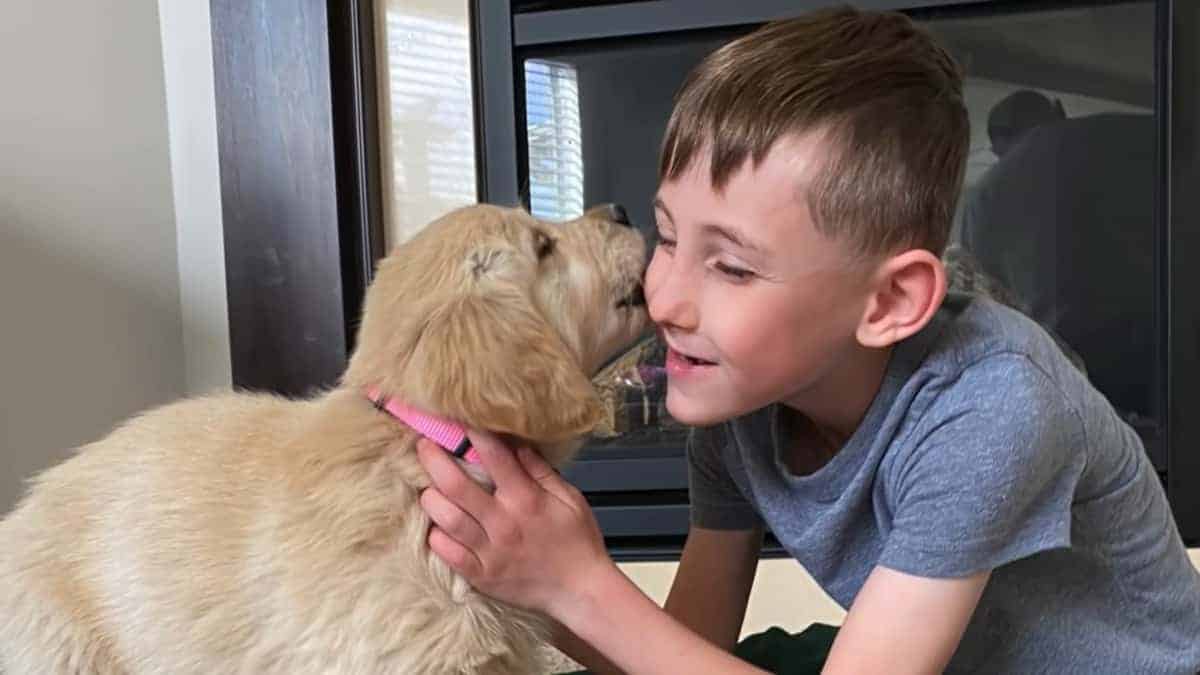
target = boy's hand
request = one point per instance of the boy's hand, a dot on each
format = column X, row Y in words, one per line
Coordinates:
column 534, row 543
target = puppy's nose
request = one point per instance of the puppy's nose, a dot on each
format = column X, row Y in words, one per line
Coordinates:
column 616, row 213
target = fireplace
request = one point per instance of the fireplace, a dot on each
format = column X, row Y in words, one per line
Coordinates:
column 1089, row 229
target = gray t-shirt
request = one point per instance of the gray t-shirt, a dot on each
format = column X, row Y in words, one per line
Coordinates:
column 984, row 449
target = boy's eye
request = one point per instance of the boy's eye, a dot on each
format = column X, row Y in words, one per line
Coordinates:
column 666, row 242
column 734, row 272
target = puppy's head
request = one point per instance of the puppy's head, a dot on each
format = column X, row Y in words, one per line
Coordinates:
column 496, row 319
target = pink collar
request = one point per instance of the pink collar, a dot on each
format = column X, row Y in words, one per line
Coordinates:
column 442, row 431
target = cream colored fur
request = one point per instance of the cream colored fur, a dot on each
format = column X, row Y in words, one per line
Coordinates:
column 253, row 534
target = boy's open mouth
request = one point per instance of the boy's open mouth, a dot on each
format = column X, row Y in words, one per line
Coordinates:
column 690, row 360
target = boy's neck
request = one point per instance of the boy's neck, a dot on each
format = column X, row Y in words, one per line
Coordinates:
column 837, row 405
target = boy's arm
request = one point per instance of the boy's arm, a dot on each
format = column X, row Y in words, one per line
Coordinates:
column 616, row 618
column 713, row 581
column 904, row 624
column 709, row 595
column 583, row 653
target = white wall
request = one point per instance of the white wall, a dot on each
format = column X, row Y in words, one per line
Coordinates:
column 192, row 123
column 90, row 327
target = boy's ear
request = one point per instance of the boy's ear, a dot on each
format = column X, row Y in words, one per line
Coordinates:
column 491, row 360
column 906, row 292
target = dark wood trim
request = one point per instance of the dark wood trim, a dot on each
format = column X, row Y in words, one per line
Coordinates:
column 495, row 102
column 357, row 143
column 279, row 193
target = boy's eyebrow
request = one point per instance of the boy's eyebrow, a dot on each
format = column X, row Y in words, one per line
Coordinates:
column 658, row 204
column 728, row 233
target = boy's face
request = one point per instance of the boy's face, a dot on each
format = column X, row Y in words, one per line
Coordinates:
column 755, row 305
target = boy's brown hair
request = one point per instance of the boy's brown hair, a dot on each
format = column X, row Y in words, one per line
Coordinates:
column 887, row 98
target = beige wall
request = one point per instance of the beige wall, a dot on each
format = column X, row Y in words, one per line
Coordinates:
column 89, row 287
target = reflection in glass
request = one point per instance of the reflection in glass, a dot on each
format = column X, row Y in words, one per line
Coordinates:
column 427, row 113
column 553, row 130
column 1058, row 207
column 633, row 390
column 1058, row 204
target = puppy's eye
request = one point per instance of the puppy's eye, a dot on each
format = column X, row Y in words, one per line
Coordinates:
column 543, row 244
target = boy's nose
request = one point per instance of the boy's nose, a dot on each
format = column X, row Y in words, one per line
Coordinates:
column 669, row 298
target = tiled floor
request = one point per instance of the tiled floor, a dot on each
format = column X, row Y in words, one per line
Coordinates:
column 784, row 595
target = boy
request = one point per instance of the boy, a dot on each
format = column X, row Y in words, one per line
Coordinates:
column 939, row 467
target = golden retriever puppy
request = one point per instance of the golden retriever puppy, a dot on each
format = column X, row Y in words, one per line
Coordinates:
column 247, row 533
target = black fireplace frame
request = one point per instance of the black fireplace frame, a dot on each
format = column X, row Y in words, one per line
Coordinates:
column 302, row 237
column 639, row 494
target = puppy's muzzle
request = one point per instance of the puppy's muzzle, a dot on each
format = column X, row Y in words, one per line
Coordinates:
column 616, row 213
column 636, row 298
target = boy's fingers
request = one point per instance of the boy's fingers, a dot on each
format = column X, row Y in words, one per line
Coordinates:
column 547, row 476
column 452, row 520
column 450, row 480
column 501, row 463
column 454, row 554
column 534, row 464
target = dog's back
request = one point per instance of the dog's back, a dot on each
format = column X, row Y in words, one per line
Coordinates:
column 105, row 539
column 240, row 534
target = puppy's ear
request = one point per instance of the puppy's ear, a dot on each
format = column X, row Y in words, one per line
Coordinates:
column 492, row 361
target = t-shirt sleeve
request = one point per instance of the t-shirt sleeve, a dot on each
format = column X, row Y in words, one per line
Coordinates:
column 991, row 475
column 716, row 501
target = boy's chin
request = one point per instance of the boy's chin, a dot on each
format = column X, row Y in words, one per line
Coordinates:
column 695, row 413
